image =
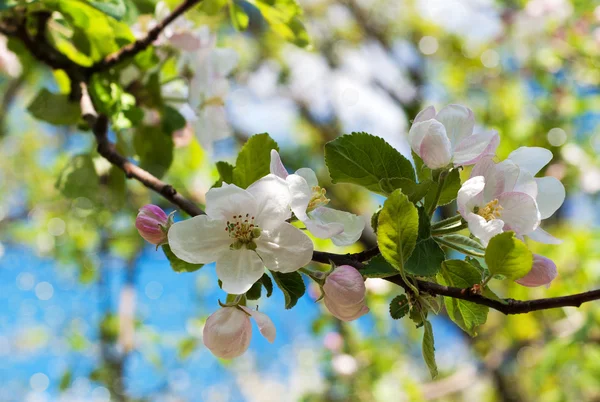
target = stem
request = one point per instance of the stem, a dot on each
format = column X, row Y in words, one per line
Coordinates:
column 317, row 276
column 485, row 281
column 446, row 222
column 453, row 229
column 438, row 193
column 459, row 248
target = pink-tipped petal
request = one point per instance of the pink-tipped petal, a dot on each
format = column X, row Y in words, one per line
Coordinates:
column 532, row 159
column 470, row 195
column 458, row 121
column 227, row 332
column 472, row 148
column 277, row 167
column 519, row 212
column 264, row 323
column 436, row 150
column 542, row 272
column 426, row 114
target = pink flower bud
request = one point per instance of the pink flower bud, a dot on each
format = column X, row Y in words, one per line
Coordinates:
column 227, row 332
column 148, row 223
column 345, row 293
column 542, row 272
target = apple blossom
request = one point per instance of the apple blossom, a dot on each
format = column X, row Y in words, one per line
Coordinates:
column 344, row 293
column 243, row 231
column 152, row 223
column 9, row 62
column 542, row 272
column 308, row 204
column 447, row 137
column 228, row 331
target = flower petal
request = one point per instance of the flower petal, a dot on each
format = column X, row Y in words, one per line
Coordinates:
column 482, row 229
column 345, row 313
column 301, row 195
column 284, row 248
column 352, row 225
column 277, row 167
column 222, row 203
column 211, row 125
column 470, row 195
column 239, row 270
column 227, row 332
column 309, row 175
column 542, row 272
column 199, row 240
column 273, row 199
column 426, row 114
column 225, row 60
column 551, row 195
column 519, row 212
column 493, row 176
column 418, row 131
column 185, row 41
column 323, row 230
column 474, row 147
column 541, row 236
column 436, row 150
column 458, row 121
column 264, row 323
column 532, row 159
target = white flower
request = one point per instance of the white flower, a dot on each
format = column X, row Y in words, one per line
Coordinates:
column 243, row 231
column 228, row 331
column 447, row 137
column 491, row 202
column 308, row 204
column 9, row 62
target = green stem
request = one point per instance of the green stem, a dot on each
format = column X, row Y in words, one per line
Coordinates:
column 438, row 193
column 317, row 276
column 445, row 231
column 459, row 248
column 174, row 99
column 446, row 222
column 485, row 281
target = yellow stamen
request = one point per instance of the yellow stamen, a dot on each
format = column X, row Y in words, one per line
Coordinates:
column 318, row 198
column 492, row 210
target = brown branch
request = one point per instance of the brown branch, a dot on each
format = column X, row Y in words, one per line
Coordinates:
column 140, row 45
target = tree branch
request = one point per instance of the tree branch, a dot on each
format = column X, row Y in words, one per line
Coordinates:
column 140, row 45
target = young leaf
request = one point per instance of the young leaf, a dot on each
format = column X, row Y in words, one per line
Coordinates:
column 283, row 18
column 426, row 258
column 239, row 18
column 466, row 315
column 154, row 148
column 253, row 161
column 399, row 307
column 113, row 8
column 79, row 178
column 267, row 283
column 55, row 109
column 378, row 267
column 366, row 160
column 429, row 349
column 225, row 173
column 292, row 286
column 397, row 229
column 179, row 265
column 506, row 255
column 464, row 241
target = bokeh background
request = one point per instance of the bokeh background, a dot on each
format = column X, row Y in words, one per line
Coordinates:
column 74, row 272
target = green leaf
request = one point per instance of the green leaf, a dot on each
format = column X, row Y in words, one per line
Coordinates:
column 225, row 173
column 154, row 149
column 378, row 267
column 399, row 307
column 464, row 241
column 253, row 161
column 172, row 120
column 239, row 18
column 366, row 160
column 428, row 349
column 6, row 4
column 398, row 228
column 55, row 109
column 79, row 179
column 254, row 292
column 292, row 286
column 179, row 265
column 186, row 347
column 267, row 283
column 414, row 191
column 427, row 256
column 113, row 8
column 506, row 255
column 465, row 314
column 449, row 190
column 283, row 17
column 65, row 380
column 212, row 7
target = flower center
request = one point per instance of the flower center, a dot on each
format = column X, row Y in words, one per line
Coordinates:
column 243, row 230
column 491, row 210
column 318, row 198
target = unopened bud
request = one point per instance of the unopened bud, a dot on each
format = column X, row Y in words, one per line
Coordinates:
column 227, row 332
column 152, row 224
column 345, row 293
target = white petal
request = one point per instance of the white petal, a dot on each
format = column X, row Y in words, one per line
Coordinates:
column 185, row 41
column 542, row 272
column 551, row 195
column 541, row 236
column 239, row 270
column 273, row 199
column 211, row 125
column 264, row 323
column 483, row 229
column 284, row 248
column 436, row 150
column 227, row 332
column 323, row 230
column 426, row 114
column 532, row 159
column 199, row 240
column 474, row 147
column 225, row 60
column 470, row 195
column 458, row 121
column 519, row 212
column 525, row 184
column 308, row 175
column 352, row 225
column 301, row 194
column 277, row 167
column 418, row 131
column 493, row 177
column 222, row 203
